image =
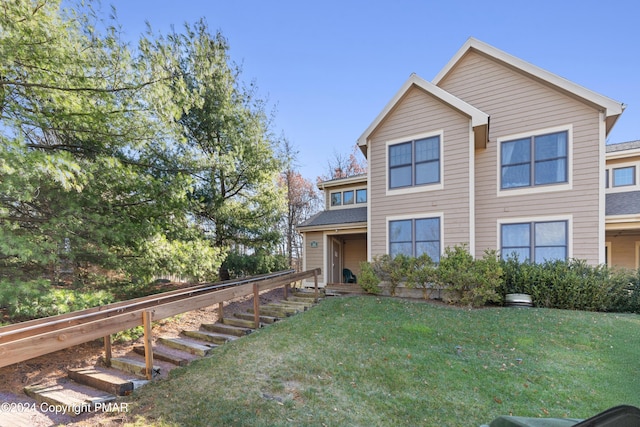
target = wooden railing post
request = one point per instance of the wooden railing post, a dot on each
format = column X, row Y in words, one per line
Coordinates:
column 286, row 291
column 107, row 350
column 220, row 310
column 19, row 342
column 315, row 283
column 148, row 341
column 256, row 306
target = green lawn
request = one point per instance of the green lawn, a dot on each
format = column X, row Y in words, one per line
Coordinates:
column 371, row 361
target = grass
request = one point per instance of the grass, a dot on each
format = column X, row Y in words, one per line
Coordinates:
column 369, row 361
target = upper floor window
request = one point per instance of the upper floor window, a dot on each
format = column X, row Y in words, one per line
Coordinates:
column 624, row 176
column 336, row 199
column 348, row 197
column 535, row 241
column 414, row 163
column 414, row 237
column 535, row 160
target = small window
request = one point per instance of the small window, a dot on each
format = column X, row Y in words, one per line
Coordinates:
column 361, row 196
column 336, row 199
column 347, row 198
column 624, row 176
column 534, row 161
column 535, row 241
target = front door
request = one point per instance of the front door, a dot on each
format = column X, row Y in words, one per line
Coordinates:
column 336, row 261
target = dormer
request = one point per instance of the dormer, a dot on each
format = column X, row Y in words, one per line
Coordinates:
column 345, row 193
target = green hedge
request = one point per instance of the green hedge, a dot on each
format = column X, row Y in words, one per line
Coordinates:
column 572, row 284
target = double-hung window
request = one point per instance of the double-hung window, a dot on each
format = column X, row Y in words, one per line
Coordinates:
column 414, row 163
column 414, row 237
column 535, row 241
column 534, row 161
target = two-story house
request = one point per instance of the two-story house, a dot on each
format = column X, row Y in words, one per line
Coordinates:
column 494, row 153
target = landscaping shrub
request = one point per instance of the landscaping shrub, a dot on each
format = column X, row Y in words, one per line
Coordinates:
column 422, row 273
column 625, row 291
column 572, row 285
column 473, row 282
column 392, row 270
column 369, row 281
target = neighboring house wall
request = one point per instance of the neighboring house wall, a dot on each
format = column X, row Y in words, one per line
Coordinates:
column 623, row 207
column 624, row 249
column 519, row 105
column 417, row 115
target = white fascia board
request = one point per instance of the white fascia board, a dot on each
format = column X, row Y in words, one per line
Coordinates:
column 478, row 118
column 611, row 107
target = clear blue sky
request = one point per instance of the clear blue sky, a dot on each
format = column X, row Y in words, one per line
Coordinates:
column 329, row 67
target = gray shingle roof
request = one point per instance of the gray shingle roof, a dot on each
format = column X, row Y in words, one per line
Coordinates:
column 611, row 148
column 626, row 203
column 337, row 216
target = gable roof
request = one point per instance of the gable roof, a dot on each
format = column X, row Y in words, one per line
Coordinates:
column 612, row 108
column 479, row 119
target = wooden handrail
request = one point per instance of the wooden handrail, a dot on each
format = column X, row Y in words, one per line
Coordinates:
column 43, row 336
column 21, row 329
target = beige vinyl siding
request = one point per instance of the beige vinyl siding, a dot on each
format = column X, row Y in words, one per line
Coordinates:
column 314, row 257
column 518, row 104
column 355, row 252
column 416, row 114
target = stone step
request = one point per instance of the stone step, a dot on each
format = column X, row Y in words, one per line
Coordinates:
column 297, row 304
column 133, row 366
column 263, row 319
column 306, row 299
column 198, row 348
column 235, row 321
column 273, row 311
column 226, row 329
column 284, row 307
column 109, row 380
column 167, row 354
column 214, row 337
column 308, row 294
column 71, row 397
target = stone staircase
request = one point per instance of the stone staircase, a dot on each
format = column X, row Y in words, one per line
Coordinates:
column 97, row 388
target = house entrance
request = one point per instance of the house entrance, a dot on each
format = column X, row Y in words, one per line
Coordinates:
column 336, row 260
column 346, row 251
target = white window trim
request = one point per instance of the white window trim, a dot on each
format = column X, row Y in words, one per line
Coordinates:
column 530, row 219
column 624, row 188
column 350, row 205
column 540, row 188
column 418, row 188
column 415, row 216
